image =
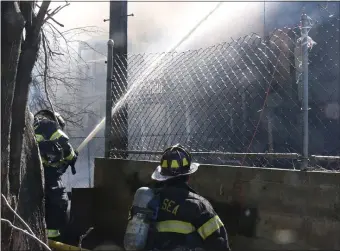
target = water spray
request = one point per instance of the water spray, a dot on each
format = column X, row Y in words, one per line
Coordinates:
column 146, row 73
column 91, row 135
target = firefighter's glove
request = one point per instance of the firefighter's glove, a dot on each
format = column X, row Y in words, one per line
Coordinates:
column 73, row 162
column 73, row 169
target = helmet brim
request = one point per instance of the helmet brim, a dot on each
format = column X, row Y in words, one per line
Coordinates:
column 156, row 175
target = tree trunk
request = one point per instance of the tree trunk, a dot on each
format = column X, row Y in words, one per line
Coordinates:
column 12, row 25
column 28, row 55
column 21, row 168
column 30, row 201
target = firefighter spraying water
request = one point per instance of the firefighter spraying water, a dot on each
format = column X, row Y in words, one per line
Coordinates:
column 57, row 155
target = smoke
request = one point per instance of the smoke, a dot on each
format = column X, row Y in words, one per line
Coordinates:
column 156, row 26
column 231, row 21
column 82, row 14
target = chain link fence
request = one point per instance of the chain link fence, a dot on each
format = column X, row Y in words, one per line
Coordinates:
column 84, row 164
column 239, row 103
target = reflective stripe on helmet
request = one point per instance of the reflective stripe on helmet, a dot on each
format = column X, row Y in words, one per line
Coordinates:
column 174, row 164
column 175, row 226
column 185, row 162
column 210, row 227
column 164, row 164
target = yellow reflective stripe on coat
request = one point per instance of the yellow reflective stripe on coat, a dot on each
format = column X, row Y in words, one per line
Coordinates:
column 210, row 227
column 52, row 233
column 175, row 226
column 39, row 137
column 57, row 134
column 70, row 156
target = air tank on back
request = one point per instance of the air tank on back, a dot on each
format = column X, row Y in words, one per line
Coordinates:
column 136, row 233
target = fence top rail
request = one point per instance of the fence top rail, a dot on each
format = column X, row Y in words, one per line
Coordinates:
column 321, row 157
column 238, row 155
column 232, row 154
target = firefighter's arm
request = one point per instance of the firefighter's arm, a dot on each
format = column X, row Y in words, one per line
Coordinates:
column 63, row 140
column 211, row 229
column 70, row 155
column 43, row 130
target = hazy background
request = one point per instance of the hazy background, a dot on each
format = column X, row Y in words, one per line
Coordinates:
column 156, row 26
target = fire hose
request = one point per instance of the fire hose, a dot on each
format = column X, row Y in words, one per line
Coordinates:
column 59, row 246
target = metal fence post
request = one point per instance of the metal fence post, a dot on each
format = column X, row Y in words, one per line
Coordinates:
column 109, row 101
column 304, row 47
column 89, row 163
column 119, row 83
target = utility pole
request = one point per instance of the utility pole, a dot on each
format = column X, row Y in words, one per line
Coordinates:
column 116, row 128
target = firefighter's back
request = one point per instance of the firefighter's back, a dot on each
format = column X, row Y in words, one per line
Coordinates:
column 181, row 219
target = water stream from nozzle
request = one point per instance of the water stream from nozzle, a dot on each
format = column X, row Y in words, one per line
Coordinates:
column 146, row 73
column 92, row 134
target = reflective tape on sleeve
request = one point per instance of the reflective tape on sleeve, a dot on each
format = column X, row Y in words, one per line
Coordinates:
column 70, row 156
column 175, row 226
column 39, row 137
column 57, row 134
column 52, row 233
column 210, row 227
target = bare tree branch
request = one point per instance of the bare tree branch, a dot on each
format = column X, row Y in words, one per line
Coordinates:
column 54, row 12
column 91, row 47
column 58, row 71
column 26, row 233
column 82, row 237
column 29, row 231
column 58, row 23
column 39, row 21
column 17, row 215
column 45, row 75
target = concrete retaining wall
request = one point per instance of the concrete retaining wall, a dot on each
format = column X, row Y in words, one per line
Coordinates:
column 301, row 207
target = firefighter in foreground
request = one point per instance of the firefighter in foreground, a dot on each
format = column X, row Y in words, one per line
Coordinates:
column 57, row 155
column 174, row 215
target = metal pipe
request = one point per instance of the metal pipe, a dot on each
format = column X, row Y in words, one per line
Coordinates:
column 292, row 156
column 109, row 103
column 304, row 47
column 230, row 154
column 89, row 163
column 328, row 158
